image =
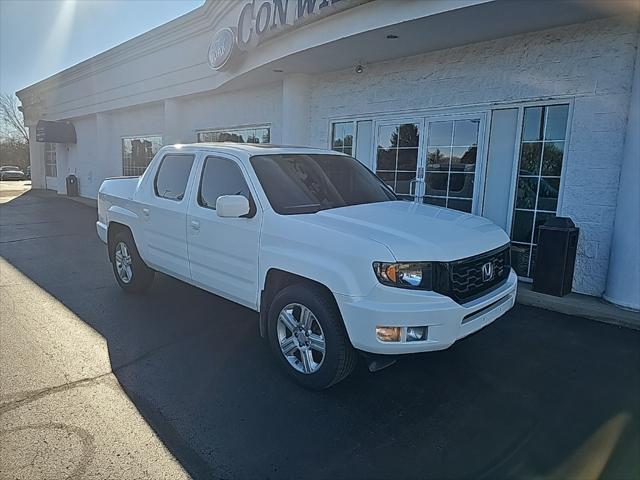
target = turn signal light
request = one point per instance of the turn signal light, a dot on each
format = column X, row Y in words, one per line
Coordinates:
column 388, row 334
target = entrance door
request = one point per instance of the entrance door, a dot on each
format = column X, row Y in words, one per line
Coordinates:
column 397, row 155
column 432, row 160
column 451, row 163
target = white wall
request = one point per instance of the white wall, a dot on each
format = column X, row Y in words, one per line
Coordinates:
column 590, row 62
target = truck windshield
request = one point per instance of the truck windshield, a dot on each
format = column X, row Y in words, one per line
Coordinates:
column 308, row 183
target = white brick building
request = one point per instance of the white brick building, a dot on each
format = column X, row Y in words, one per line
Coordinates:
column 517, row 111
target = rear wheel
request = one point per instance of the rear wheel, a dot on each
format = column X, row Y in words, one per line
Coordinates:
column 131, row 273
column 308, row 338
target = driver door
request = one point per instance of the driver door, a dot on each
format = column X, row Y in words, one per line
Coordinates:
column 223, row 252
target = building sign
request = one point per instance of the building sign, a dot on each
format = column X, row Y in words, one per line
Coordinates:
column 222, row 48
column 260, row 20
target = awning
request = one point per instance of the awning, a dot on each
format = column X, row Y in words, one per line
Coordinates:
column 55, row 132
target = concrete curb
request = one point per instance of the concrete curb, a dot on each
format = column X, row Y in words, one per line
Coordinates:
column 585, row 306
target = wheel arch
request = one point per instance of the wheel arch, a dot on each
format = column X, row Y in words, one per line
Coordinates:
column 277, row 279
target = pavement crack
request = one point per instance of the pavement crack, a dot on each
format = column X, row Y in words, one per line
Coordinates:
column 16, row 400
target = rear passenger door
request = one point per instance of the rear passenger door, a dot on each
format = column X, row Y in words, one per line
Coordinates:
column 223, row 252
column 164, row 219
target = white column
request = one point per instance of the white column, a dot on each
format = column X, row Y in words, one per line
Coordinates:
column 174, row 124
column 36, row 159
column 296, row 91
column 623, row 282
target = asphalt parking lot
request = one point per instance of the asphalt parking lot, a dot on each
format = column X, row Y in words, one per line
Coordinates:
column 95, row 383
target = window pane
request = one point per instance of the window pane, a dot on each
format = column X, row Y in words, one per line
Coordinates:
column 408, row 159
column 520, row 258
column 436, row 184
column 403, row 182
column 387, row 136
column 137, row 153
column 522, row 226
column 552, row 159
column 438, row 158
column 461, row 185
column 440, row 133
column 337, row 140
column 386, row 159
column 465, row 156
column 388, row 177
column 172, row 177
column 221, row 177
column 526, row 193
column 459, row 204
column 533, row 127
column 548, row 196
column 530, row 158
column 465, row 132
column 348, row 134
column 409, row 135
column 237, row 135
column 556, row 122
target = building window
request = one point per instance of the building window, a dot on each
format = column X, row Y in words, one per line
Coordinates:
column 540, row 165
column 452, row 147
column 397, row 156
column 342, row 137
column 50, row 162
column 237, row 135
column 137, row 153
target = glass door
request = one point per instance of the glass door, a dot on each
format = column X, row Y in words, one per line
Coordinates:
column 397, row 155
column 451, row 163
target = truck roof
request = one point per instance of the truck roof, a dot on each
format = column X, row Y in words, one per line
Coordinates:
column 249, row 148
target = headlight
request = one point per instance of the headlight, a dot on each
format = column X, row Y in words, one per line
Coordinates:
column 405, row 275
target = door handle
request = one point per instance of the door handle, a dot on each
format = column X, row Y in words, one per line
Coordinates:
column 195, row 225
column 145, row 212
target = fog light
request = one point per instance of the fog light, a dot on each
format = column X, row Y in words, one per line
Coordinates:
column 416, row 334
column 388, row 334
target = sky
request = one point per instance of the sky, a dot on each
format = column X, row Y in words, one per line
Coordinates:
column 41, row 37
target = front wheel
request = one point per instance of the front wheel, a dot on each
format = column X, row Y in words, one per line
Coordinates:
column 130, row 271
column 308, row 338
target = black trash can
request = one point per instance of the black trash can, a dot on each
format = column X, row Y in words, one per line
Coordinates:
column 556, row 257
column 72, row 186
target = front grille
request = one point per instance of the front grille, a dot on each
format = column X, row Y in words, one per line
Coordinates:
column 465, row 278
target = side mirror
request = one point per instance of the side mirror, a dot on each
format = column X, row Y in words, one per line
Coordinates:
column 232, row 206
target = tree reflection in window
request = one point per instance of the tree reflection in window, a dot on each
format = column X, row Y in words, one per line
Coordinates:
column 397, row 156
column 237, row 135
column 137, row 153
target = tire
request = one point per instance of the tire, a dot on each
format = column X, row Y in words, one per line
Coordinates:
column 138, row 277
column 339, row 357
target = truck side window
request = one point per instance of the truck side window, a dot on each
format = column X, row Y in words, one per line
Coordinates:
column 173, row 174
column 221, row 176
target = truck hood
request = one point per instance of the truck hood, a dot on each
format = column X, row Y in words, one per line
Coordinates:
column 414, row 231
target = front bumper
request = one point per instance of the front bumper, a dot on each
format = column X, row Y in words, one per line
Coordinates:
column 101, row 228
column 447, row 321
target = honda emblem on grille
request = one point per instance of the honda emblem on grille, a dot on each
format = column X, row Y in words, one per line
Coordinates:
column 487, row 272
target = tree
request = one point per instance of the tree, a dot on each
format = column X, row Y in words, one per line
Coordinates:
column 11, row 123
column 14, row 137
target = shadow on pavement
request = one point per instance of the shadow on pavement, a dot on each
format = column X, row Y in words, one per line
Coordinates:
column 535, row 394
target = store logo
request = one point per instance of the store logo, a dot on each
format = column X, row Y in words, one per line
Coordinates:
column 222, row 48
column 260, row 20
column 487, row 272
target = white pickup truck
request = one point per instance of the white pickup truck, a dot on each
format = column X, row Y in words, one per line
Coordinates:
column 311, row 239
